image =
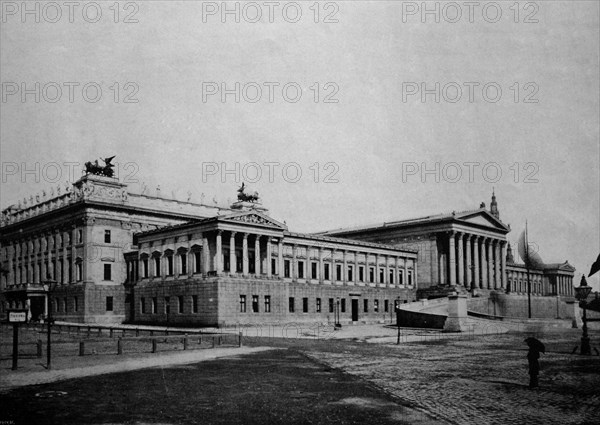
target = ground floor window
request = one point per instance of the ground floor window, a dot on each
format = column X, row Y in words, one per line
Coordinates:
column 386, row 306
column 376, row 306
column 75, row 304
column 109, row 304
column 343, row 305
column 291, row 305
column 143, row 305
column 180, row 304
column 366, row 305
column 194, row 303
column 304, row 305
column 254, row 303
column 154, row 305
column 242, row 303
column 331, row 305
column 318, row 305
column 267, row 303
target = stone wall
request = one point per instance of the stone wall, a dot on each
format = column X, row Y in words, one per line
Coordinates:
column 516, row 306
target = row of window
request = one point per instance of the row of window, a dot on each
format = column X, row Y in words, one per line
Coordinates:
column 62, row 305
column 24, row 272
column 183, row 269
column 149, row 305
column 56, row 242
column 318, row 305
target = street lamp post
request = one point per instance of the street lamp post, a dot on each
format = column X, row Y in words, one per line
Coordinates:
column 48, row 287
column 398, row 319
column 582, row 293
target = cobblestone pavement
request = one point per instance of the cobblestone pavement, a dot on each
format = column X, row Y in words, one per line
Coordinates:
column 481, row 380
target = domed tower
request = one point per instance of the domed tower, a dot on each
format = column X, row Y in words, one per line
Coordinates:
column 494, row 206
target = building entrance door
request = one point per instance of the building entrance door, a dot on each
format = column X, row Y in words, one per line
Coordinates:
column 354, row 310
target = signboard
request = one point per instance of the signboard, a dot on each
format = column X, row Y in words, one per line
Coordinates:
column 17, row 316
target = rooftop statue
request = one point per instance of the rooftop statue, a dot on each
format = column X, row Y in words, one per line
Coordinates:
column 246, row 197
column 95, row 168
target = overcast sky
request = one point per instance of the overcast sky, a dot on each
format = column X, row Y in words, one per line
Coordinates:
column 515, row 97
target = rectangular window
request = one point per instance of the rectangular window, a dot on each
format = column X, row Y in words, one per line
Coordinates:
column 194, row 304
column 366, row 306
column 343, row 305
column 301, row 269
column 410, row 277
column 291, row 306
column 79, row 236
column 267, row 303
column 107, row 236
column 386, row 306
column 376, row 306
column 75, row 304
column 273, row 266
column 242, row 303
column 318, row 305
column 183, row 262
column 313, row 270
column 286, row 268
column 331, row 305
column 154, row 305
column 350, row 274
column 65, row 304
column 79, row 269
column 401, row 277
column 361, row 273
column 167, row 305
column 170, row 265
column 109, row 303
column 304, row 305
column 180, row 304
column 391, row 277
column 197, row 262
column 108, row 272
column 338, row 272
column 144, row 267
column 254, row 303
column 326, row 277
column 143, row 305
column 371, row 274
column 381, row 275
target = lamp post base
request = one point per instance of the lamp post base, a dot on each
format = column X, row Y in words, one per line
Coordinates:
column 586, row 350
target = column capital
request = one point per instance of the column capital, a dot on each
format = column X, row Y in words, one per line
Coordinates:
column 232, row 233
column 219, row 232
column 246, row 235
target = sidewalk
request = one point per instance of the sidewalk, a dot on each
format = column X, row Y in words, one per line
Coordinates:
column 33, row 372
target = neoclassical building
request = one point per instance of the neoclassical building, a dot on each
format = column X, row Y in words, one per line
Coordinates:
column 94, row 252
column 246, row 267
column 466, row 249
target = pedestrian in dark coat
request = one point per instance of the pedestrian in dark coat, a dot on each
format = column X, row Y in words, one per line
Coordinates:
column 535, row 348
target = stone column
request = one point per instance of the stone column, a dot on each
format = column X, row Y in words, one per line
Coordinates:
column 476, row 279
column 219, row 252
column 497, row 277
column 280, row 258
column 452, row 254
column 483, row 263
column 321, row 266
column 245, row 254
column 468, row 265
column 503, row 264
column 269, row 255
column 232, row 254
column 461, row 259
column 386, row 272
column 257, row 270
column 205, row 254
column 332, row 271
column 396, row 277
column 490, row 259
column 294, row 262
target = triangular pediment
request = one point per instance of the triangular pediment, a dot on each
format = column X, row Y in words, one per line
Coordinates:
column 253, row 218
column 482, row 218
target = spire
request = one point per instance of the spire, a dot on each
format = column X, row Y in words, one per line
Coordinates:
column 494, row 206
column 509, row 255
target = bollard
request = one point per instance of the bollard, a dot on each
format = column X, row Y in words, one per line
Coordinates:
column 39, row 348
column 240, row 339
column 154, row 345
column 110, row 332
column 185, row 342
column 81, row 348
column 119, row 346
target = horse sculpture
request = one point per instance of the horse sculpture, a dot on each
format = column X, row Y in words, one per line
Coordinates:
column 97, row 169
column 246, row 197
